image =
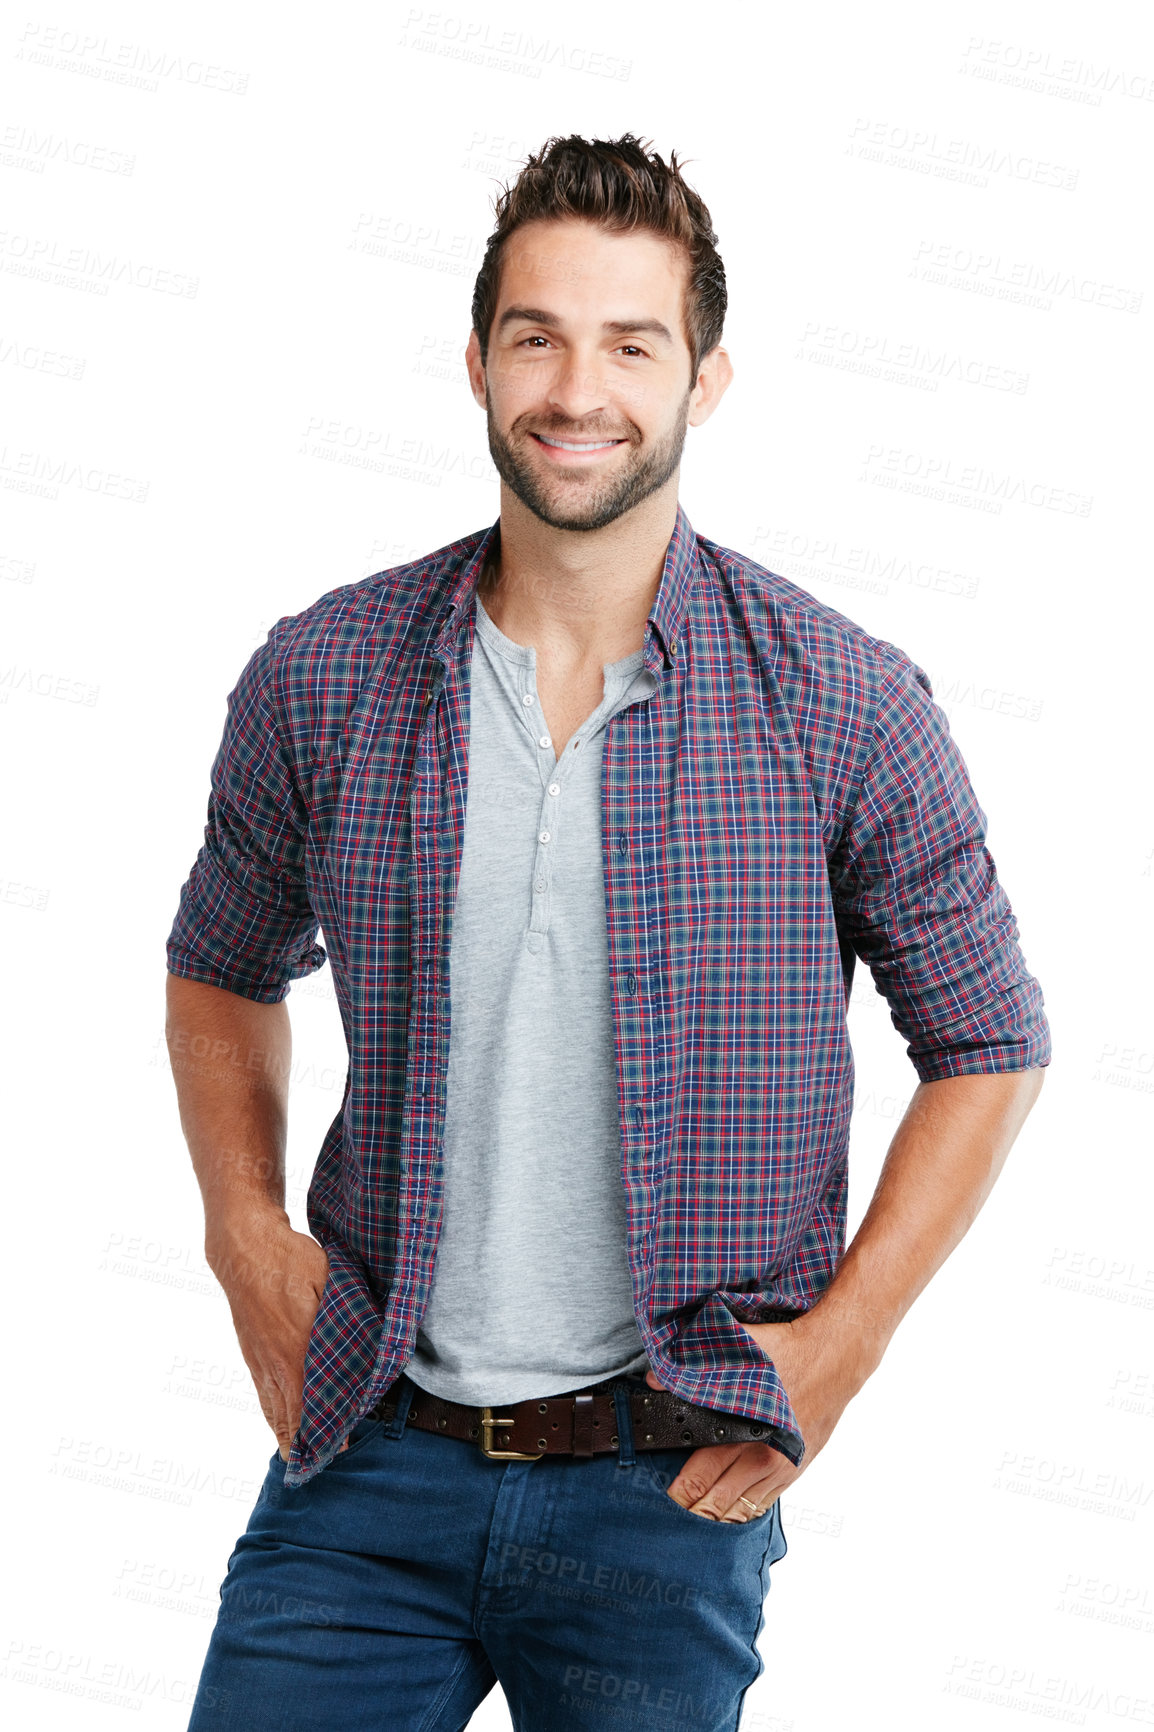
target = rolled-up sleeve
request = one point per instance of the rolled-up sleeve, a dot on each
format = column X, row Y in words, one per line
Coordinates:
column 244, row 921
column 916, row 894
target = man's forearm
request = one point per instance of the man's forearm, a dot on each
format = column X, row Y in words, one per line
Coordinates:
column 940, row 1168
column 230, row 1061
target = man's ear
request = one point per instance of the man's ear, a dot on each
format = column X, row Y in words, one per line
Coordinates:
column 476, row 371
column 713, row 380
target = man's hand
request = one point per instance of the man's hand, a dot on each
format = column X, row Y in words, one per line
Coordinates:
column 273, row 1277
column 820, row 1374
column 944, row 1158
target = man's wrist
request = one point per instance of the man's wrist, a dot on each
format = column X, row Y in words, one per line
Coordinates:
column 236, row 1232
column 844, row 1342
column 849, row 1334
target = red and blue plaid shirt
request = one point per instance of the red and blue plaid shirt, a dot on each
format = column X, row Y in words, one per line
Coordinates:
column 787, row 799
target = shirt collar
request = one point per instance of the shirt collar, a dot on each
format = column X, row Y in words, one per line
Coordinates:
column 666, row 616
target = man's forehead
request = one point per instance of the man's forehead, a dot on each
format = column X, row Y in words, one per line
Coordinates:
column 544, row 258
column 574, row 235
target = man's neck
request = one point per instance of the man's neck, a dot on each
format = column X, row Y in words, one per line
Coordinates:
column 580, row 598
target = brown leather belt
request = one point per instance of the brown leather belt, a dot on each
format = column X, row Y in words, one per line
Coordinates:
column 581, row 1422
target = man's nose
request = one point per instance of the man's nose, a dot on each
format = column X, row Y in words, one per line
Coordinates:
column 579, row 387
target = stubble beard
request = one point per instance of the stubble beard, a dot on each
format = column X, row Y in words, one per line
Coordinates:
column 588, row 502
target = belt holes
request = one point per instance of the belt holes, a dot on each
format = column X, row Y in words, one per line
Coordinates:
column 541, row 1443
column 442, row 1423
column 613, row 1440
column 542, row 1407
column 687, row 1437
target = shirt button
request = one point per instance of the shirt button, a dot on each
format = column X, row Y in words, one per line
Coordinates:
column 544, row 836
column 554, row 787
column 527, row 699
column 540, row 884
column 544, row 740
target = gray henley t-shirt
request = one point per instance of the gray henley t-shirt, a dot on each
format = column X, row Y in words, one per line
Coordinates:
column 531, row 1290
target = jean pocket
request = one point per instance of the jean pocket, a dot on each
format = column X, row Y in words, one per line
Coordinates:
column 662, row 1467
column 363, row 1432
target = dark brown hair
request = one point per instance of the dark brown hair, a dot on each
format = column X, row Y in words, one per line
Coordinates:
column 618, row 185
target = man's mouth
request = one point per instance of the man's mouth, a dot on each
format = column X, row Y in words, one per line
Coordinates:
column 580, row 446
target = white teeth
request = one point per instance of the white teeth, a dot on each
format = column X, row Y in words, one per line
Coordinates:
column 563, row 444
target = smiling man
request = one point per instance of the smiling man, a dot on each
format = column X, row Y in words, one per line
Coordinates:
column 595, row 816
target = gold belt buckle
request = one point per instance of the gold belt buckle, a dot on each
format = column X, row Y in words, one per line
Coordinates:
column 487, row 1424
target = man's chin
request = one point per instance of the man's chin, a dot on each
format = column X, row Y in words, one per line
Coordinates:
column 557, row 518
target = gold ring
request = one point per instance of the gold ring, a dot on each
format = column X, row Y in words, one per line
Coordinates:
column 750, row 1502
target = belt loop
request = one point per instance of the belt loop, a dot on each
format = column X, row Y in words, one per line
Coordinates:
column 405, row 1391
column 582, row 1425
column 627, row 1455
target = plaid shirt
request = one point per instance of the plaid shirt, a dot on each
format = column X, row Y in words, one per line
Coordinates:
column 788, row 798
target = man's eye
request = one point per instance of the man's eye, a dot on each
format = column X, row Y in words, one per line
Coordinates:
column 537, row 339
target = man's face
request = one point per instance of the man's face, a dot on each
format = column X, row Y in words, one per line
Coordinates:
column 586, row 347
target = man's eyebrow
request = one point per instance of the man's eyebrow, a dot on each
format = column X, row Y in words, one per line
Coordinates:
column 611, row 327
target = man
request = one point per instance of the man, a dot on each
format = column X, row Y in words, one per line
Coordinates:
column 594, row 815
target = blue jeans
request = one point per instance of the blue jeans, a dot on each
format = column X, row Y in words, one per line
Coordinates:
column 395, row 1588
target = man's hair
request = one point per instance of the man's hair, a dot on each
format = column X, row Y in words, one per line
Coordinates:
column 616, row 184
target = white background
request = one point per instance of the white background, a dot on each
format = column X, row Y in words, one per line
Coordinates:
column 236, row 295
